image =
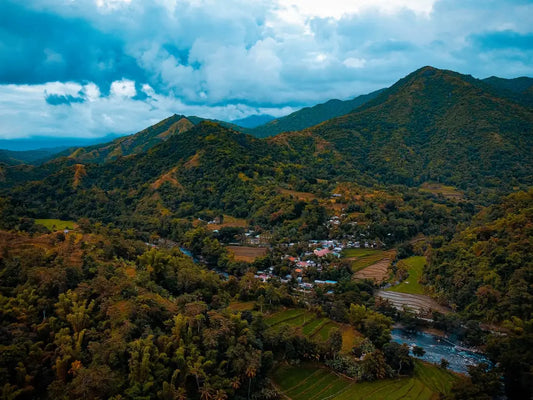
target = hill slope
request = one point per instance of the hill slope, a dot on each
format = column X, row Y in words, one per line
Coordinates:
column 132, row 144
column 32, row 157
column 310, row 116
column 436, row 125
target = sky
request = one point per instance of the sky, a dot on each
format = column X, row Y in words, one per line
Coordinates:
column 90, row 68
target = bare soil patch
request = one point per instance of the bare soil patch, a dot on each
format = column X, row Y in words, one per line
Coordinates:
column 246, row 254
column 378, row 271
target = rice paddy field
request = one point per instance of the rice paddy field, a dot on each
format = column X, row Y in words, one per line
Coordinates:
column 314, row 327
column 314, row 382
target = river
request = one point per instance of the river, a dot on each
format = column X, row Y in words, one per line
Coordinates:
column 437, row 347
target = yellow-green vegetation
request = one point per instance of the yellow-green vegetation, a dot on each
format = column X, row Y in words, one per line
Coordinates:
column 313, row 382
column 314, row 327
column 55, row 224
column 439, row 189
column 241, row 305
column 414, row 266
column 362, row 258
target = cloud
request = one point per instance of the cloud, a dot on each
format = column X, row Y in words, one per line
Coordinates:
column 123, row 88
column 147, row 60
column 73, row 110
column 506, row 39
column 58, row 99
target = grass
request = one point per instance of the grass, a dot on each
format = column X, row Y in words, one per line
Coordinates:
column 241, row 306
column 415, row 267
column 449, row 192
column 55, row 224
column 314, row 382
column 357, row 253
column 314, row 327
column 228, row 222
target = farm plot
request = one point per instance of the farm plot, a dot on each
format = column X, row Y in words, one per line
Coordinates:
column 314, row 327
column 415, row 267
column 305, row 196
column 313, row 382
column 229, row 222
column 375, row 266
column 56, row 224
column 419, row 303
column 245, row 253
column 439, row 189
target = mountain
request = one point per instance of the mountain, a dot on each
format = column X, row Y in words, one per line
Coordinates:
column 437, row 125
column 517, row 89
column 132, row 144
column 50, row 142
column 253, row 121
column 309, row 116
column 32, row 157
column 432, row 126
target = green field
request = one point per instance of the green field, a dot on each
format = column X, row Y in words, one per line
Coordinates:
column 362, row 258
column 55, row 224
column 357, row 253
column 313, row 382
column 312, row 326
column 411, row 285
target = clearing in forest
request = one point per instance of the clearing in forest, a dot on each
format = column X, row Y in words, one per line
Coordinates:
column 414, row 267
column 311, row 381
column 374, row 266
column 245, row 253
column 419, row 303
column 56, row 224
column 448, row 192
column 314, row 327
column 229, row 222
column 305, row 196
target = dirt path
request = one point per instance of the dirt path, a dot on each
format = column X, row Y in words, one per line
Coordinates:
column 417, row 302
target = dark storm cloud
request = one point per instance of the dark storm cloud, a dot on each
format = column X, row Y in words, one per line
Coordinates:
column 38, row 47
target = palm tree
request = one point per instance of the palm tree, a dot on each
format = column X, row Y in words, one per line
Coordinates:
column 220, row 395
column 250, row 373
column 206, row 392
column 236, row 383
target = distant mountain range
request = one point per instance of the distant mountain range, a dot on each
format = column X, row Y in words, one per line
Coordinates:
column 310, row 116
column 431, row 126
column 253, row 121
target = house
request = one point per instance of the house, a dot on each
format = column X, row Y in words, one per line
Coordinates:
column 321, row 252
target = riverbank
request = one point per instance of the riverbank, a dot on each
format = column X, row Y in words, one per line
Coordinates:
column 439, row 347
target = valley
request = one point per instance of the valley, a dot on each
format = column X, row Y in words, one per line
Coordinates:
column 198, row 259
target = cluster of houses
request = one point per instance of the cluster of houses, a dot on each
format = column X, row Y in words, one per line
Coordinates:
column 319, row 254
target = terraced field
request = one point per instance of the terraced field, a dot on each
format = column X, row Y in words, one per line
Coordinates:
column 313, row 382
column 314, row 327
column 374, row 266
column 419, row 303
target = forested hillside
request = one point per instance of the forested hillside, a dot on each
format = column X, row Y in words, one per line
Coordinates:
column 310, row 116
column 486, row 271
column 437, row 125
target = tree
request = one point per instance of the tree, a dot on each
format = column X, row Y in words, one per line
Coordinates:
column 444, row 364
column 334, row 342
column 419, row 351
